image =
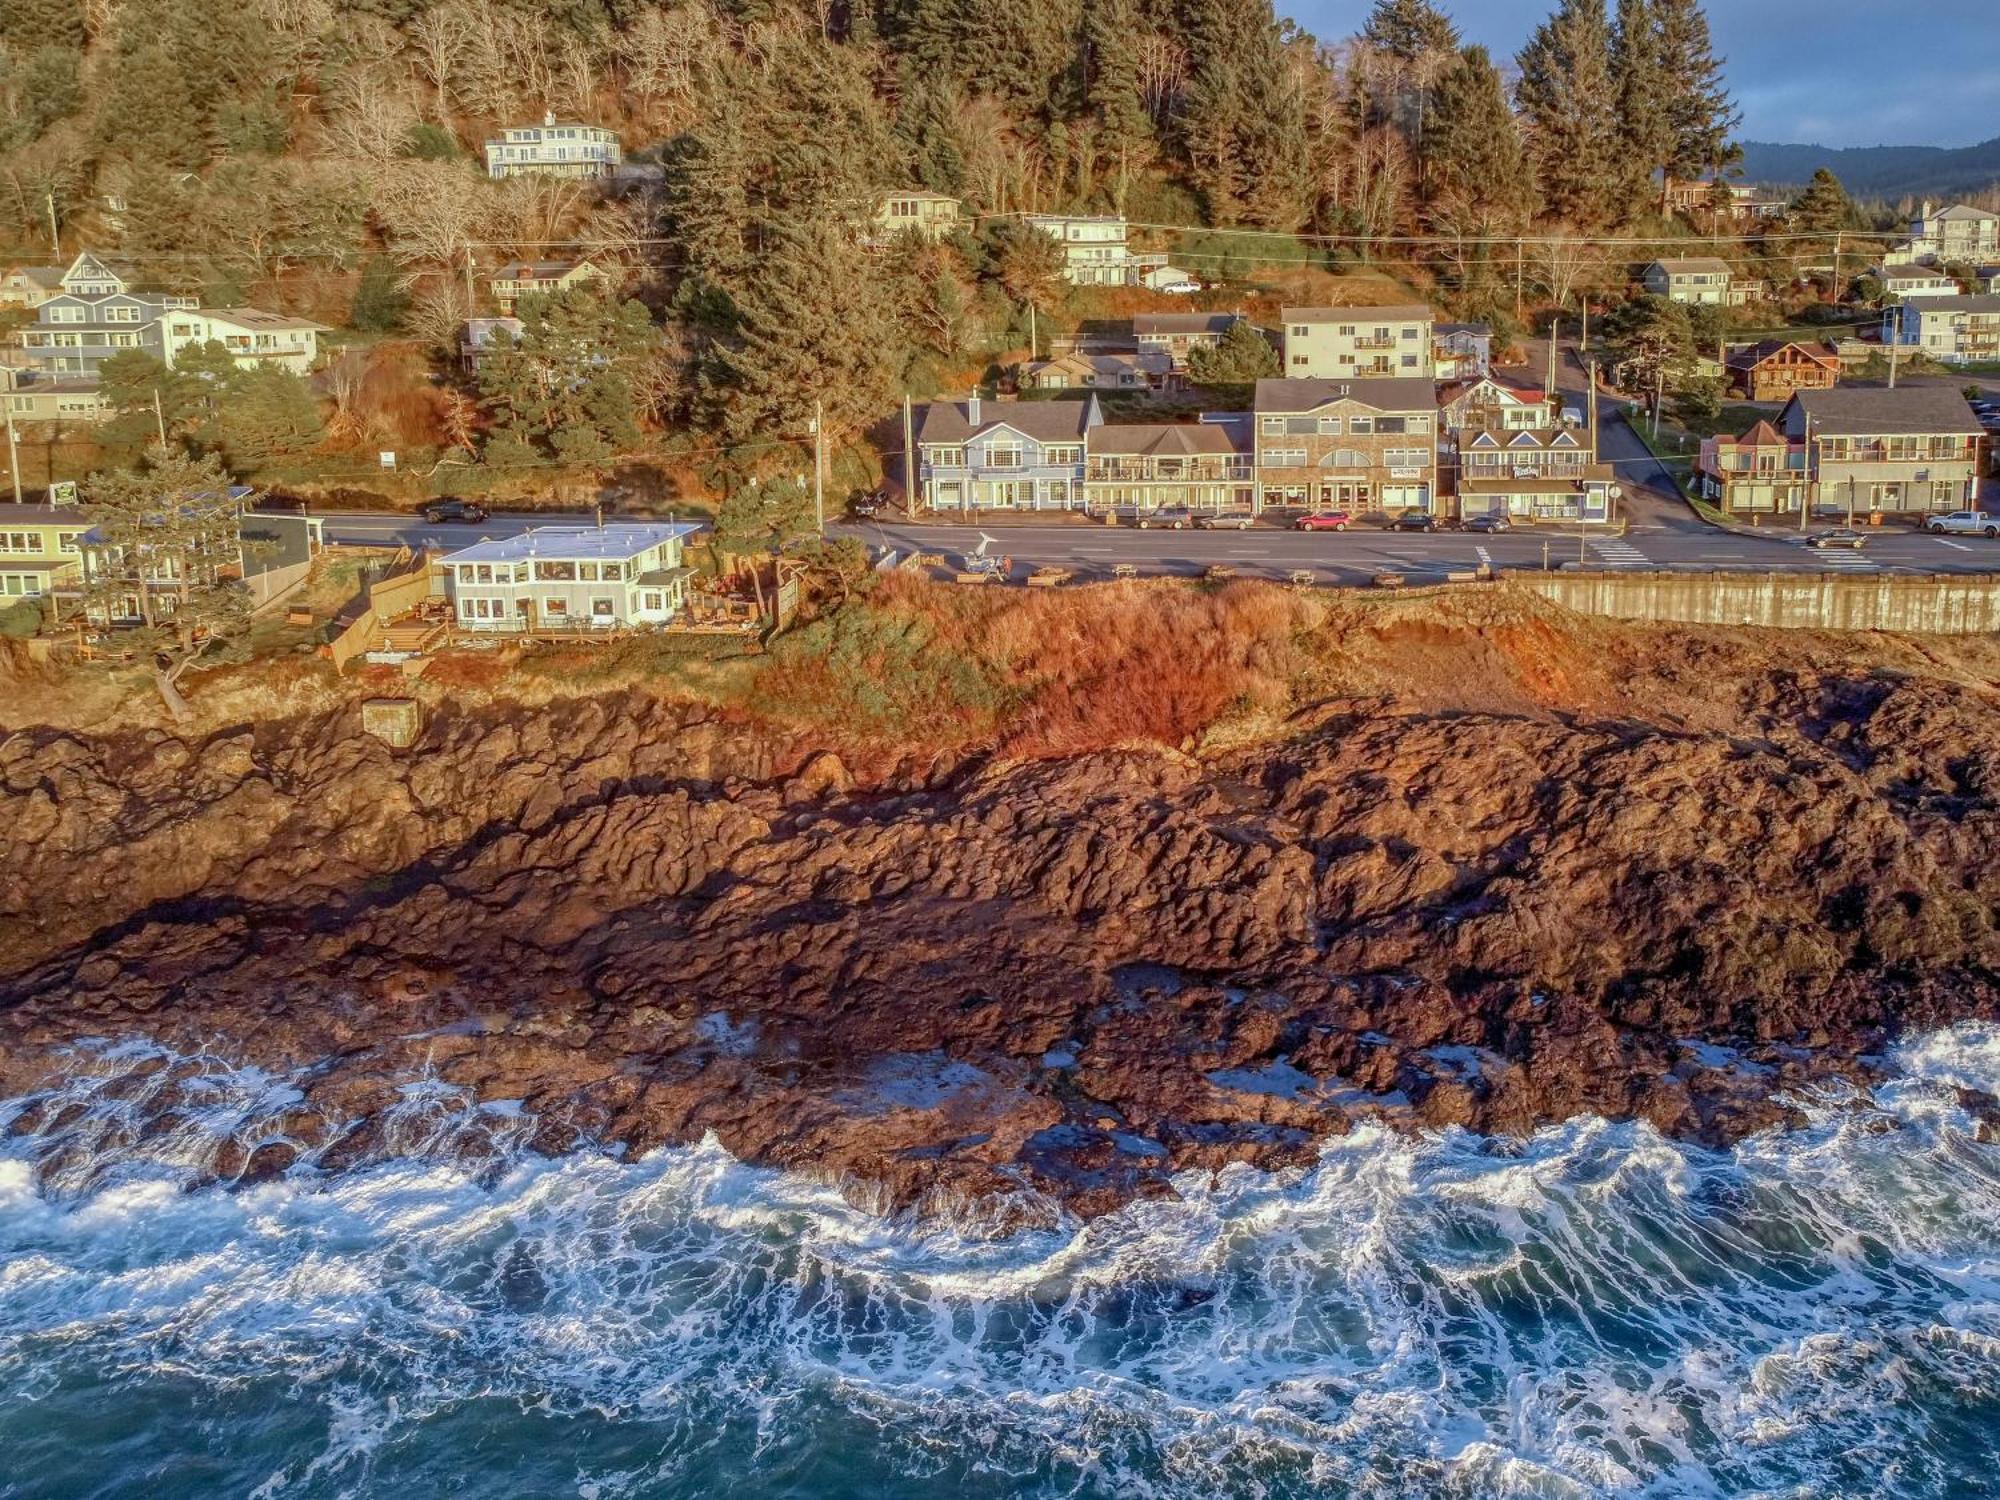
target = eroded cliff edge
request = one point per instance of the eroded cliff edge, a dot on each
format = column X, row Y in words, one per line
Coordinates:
column 966, row 973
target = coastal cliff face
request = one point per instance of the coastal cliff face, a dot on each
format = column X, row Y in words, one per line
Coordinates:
column 967, row 975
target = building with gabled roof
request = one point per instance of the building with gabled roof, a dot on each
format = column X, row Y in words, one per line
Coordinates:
column 1895, row 451
column 1758, row 476
column 1141, row 467
column 1354, row 445
column 1695, row 279
column 1773, row 369
column 979, row 454
column 557, row 579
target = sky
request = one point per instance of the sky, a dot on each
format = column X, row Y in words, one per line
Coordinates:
column 1811, row 72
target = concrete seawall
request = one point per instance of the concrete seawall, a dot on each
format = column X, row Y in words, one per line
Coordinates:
column 1938, row 604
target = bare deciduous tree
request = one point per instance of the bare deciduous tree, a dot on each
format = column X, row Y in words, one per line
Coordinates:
column 439, row 38
column 430, row 210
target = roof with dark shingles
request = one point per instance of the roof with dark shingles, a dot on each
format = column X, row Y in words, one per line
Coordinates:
column 1170, row 438
column 1861, row 411
column 1171, row 323
column 1045, row 421
column 1383, row 392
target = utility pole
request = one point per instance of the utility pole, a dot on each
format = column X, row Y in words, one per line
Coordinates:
column 1895, row 349
column 1659, row 397
column 1555, row 353
column 819, row 467
column 1034, row 339
column 1838, row 236
column 1812, row 478
column 55, row 239
column 468, row 280
column 13, row 454
column 909, row 460
column 1520, row 275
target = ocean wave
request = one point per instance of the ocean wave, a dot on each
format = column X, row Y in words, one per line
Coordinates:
column 1592, row 1310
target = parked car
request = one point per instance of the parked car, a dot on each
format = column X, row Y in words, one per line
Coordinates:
column 1171, row 517
column 1183, row 288
column 1488, row 523
column 440, row 511
column 1414, row 520
column 865, row 504
column 1225, row 520
column 1839, row 536
column 1964, row 523
column 1324, row 520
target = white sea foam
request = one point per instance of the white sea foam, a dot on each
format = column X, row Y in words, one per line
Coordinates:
column 1592, row 1310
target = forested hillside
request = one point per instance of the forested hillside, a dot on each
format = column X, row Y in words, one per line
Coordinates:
column 324, row 156
column 1891, row 172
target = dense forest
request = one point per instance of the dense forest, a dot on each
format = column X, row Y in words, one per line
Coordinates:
column 324, row 155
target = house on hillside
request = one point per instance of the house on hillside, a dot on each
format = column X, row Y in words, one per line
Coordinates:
column 1955, row 330
column 1462, row 351
column 935, row 216
column 255, row 337
column 95, row 314
column 1773, row 369
column 1697, row 199
column 1178, row 334
column 27, row 287
column 34, row 397
column 1147, row 370
column 1760, row 475
column 142, row 583
column 1490, row 403
column 1907, row 450
column 1205, row 466
column 528, row 278
column 1900, row 283
column 1003, row 455
column 1354, row 445
column 481, row 336
column 1356, row 343
column 554, row 148
column 40, row 550
column 1097, row 248
column 1957, row 233
column 554, row 579
column 1699, row 280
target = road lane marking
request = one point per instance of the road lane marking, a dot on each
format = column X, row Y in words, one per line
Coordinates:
column 1960, row 546
column 1484, row 556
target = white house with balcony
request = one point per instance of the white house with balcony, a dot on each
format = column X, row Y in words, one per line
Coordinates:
column 554, row 148
column 554, row 579
column 1097, row 248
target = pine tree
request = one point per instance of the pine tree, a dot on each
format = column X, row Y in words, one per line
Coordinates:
column 268, row 414
column 1821, row 210
column 1409, row 29
column 1644, row 132
column 380, row 301
column 1699, row 112
column 792, row 344
column 568, row 385
column 1124, row 131
column 1564, row 94
column 168, row 535
column 1478, row 177
column 1243, row 357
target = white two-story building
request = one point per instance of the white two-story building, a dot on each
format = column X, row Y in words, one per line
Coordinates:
column 1097, row 249
column 554, row 148
column 571, row 578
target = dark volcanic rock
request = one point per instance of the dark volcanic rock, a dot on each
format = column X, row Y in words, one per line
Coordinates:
column 1072, row 978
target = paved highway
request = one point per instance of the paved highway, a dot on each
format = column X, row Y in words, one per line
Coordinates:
column 1334, row 557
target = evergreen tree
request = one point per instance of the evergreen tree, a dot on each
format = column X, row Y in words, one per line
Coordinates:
column 1029, row 266
column 792, row 344
column 1409, row 29
column 1821, row 209
column 1564, row 94
column 1243, row 357
column 128, row 383
column 268, row 414
column 567, row 386
column 169, row 533
column 380, row 301
column 1123, row 130
column 1700, row 115
column 1645, row 136
column 1479, row 182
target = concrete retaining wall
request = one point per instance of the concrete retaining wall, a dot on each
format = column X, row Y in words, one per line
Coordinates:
column 1940, row 603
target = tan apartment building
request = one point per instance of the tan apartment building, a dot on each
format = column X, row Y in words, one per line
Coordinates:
column 1140, row 467
column 1354, row 445
column 1904, row 451
column 1359, row 343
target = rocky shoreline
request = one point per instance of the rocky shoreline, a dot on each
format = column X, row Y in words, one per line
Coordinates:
column 954, row 977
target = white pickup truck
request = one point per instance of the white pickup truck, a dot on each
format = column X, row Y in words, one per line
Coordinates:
column 1964, row 523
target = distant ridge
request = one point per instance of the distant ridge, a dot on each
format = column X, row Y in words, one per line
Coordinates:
column 1879, row 171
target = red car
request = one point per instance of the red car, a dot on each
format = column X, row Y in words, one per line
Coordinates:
column 1323, row 520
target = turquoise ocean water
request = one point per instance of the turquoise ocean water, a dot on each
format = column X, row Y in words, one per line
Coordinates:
column 1591, row 1311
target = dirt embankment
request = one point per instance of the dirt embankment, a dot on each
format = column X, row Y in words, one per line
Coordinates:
column 1494, row 871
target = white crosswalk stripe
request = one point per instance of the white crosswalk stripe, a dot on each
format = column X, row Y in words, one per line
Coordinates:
column 1619, row 554
column 1845, row 562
